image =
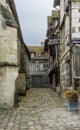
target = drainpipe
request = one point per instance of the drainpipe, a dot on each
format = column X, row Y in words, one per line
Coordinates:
column 71, row 46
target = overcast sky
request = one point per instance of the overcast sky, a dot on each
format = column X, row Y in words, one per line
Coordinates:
column 33, row 19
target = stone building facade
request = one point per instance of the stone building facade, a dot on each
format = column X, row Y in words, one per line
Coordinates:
column 69, row 43
column 52, row 47
column 38, row 67
column 11, row 45
column 68, row 32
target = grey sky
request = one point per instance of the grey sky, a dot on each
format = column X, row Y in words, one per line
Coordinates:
column 33, row 19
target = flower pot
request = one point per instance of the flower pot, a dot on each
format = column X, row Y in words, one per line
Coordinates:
column 73, row 106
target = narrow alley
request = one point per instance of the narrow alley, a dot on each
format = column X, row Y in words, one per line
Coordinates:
column 40, row 109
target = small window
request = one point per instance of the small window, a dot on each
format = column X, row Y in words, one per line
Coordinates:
column 41, row 66
column 32, row 55
column 79, row 29
column 41, row 55
column 73, row 29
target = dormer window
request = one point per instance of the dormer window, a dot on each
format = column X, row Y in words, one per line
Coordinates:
column 32, row 54
column 41, row 55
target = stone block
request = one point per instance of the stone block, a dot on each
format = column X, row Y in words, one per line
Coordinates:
column 8, row 75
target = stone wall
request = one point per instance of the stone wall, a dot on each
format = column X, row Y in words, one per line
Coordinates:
column 8, row 57
column 76, row 19
column 22, row 82
column 8, row 46
column 3, row 2
column 64, row 43
column 8, row 66
column 62, row 10
column 13, row 55
column 8, row 75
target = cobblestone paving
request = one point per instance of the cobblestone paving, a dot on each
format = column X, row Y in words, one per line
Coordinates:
column 41, row 109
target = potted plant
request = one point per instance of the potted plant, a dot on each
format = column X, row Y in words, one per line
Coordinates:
column 72, row 98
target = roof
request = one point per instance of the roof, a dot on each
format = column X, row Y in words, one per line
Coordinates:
column 55, row 14
column 8, row 16
column 36, row 49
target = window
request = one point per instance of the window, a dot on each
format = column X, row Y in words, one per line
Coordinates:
column 41, row 66
column 79, row 19
column 79, row 10
column 32, row 67
column 41, row 55
column 32, row 54
column 79, row 29
column 68, row 73
column 73, row 29
column 77, row 60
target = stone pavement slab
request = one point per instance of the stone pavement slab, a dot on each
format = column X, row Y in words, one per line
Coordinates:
column 40, row 109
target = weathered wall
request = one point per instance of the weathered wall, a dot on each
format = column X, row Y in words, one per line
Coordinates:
column 22, row 82
column 8, row 66
column 8, row 45
column 3, row 2
column 12, row 55
column 76, row 19
column 65, row 52
column 8, row 75
column 26, row 66
column 8, row 61
column 62, row 10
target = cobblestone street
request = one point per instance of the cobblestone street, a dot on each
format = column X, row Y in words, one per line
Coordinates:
column 40, row 109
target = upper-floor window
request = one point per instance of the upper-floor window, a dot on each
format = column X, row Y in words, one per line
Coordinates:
column 41, row 55
column 79, row 29
column 41, row 66
column 32, row 67
column 73, row 29
column 32, row 54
